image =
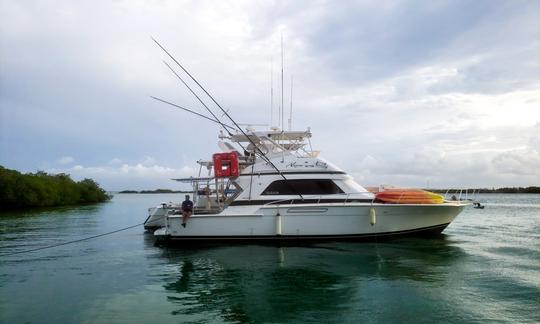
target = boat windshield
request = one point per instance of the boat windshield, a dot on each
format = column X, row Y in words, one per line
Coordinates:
column 351, row 186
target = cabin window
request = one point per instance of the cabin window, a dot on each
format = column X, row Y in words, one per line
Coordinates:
column 304, row 187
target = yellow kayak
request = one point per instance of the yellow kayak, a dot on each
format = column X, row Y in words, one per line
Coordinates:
column 409, row 196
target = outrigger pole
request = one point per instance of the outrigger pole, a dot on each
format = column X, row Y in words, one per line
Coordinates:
column 193, row 112
column 263, row 155
column 282, row 103
column 196, row 96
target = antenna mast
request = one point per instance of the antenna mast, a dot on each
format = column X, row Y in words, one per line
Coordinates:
column 271, row 92
column 282, row 107
column 290, row 112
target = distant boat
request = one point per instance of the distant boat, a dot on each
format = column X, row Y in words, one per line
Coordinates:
column 477, row 205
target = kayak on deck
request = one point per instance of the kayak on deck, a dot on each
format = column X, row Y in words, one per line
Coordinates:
column 409, row 196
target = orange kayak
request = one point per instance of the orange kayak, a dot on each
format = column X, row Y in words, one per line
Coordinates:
column 409, row 196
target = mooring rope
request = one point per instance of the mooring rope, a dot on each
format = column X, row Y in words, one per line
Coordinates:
column 70, row 242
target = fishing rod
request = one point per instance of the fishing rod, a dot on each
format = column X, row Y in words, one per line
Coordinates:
column 216, row 119
column 200, row 86
column 263, row 155
column 196, row 96
column 191, row 111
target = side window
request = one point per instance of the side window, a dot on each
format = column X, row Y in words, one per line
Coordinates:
column 304, row 187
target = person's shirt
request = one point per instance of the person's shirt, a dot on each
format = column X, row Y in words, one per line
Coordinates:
column 187, row 205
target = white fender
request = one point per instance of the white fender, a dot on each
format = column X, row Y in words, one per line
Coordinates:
column 372, row 216
column 278, row 224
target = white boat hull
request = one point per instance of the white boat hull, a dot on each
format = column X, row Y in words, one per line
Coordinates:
column 312, row 221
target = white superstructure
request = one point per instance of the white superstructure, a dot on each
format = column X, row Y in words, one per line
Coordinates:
column 283, row 190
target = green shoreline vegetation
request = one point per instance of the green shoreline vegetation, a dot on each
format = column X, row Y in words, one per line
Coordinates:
column 40, row 189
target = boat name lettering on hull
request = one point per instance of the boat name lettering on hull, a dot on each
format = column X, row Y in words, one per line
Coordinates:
column 317, row 164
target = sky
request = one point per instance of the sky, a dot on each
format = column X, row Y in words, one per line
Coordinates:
column 409, row 93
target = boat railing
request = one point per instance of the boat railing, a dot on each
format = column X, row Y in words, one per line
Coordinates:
column 459, row 194
column 357, row 193
column 348, row 198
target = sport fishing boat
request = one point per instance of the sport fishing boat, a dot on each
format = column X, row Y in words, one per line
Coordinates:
column 277, row 188
column 271, row 185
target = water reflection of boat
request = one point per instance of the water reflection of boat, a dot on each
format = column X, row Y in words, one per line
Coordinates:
column 292, row 193
column 283, row 284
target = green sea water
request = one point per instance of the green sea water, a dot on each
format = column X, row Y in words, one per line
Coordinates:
column 485, row 268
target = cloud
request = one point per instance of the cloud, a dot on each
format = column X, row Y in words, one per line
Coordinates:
column 115, row 161
column 523, row 162
column 395, row 92
column 128, row 176
column 65, row 160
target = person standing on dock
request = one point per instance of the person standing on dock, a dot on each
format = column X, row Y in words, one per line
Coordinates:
column 187, row 210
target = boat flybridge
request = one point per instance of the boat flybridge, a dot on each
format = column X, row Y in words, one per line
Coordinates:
column 271, row 185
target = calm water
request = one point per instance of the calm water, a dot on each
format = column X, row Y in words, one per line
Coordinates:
column 486, row 268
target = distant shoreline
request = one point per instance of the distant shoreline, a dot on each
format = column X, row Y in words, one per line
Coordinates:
column 506, row 190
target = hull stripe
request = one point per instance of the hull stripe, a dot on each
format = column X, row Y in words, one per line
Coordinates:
column 425, row 230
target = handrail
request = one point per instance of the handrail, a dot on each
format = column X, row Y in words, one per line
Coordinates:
column 373, row 200
column 318, row 197
column 460, row 194
column 276, row 201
